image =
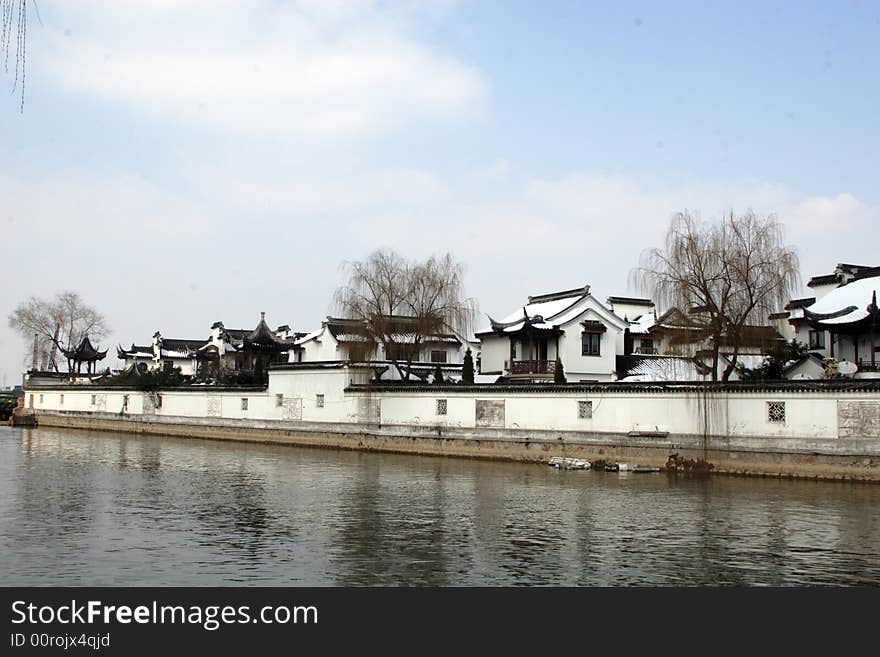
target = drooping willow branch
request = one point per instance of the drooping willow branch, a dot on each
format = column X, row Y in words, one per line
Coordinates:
column 13, row 38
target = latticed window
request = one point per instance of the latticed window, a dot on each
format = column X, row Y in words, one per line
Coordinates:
column 319, row 401
column 279, row 401
column 776, row 411
column 244, row 403
column 62, row 400
column 441, row 406
column 585, row 410
column 94, row 399
column 590, row 344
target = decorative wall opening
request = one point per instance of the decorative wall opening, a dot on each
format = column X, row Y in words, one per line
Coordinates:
column 441, row 406
column 585, row 410
column 776, row 411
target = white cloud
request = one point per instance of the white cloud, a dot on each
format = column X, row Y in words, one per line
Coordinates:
column 311, row 69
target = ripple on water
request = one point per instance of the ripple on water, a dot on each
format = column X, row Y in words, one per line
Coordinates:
column 111, row 509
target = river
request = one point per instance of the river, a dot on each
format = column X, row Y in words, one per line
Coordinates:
column 83, row 508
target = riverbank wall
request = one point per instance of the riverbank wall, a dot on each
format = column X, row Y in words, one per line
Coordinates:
column 845, row 460
column 804, row 429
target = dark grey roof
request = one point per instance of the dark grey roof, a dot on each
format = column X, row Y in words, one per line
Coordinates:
column 177, row 343
column 800, row 303
column 631, row 301
column 564, row 294
column 84, row 351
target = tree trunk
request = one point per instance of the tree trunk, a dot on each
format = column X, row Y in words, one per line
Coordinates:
column 54, row 351
column 716, row 347
column 729, row 369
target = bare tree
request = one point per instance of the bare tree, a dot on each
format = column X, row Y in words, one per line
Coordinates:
column 59, row 323
column 735, row 272
column 403, row 304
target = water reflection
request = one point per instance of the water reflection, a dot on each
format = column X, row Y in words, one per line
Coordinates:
column 103, row 509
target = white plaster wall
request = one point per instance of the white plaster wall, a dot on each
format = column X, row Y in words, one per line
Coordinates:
column 495, row 350
column 323, row 348
column 630, row 311
column 595, row 368
column 807, row 414
column 820, row 291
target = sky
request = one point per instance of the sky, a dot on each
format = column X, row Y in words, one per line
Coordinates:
column 183, row 162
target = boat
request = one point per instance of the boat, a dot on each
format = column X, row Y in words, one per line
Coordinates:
column 568, row 463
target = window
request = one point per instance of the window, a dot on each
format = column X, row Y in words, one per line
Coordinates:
column 279, row 401
column 438, row 356
column 585, row 410
column 41, row 397
column 776, row 411
column 93, row 400
column 402, row 352
column 590, row 344
column 319, row 401
column 647, row 346
column 168, row 365
column 61, row 402
column 441, row 407
column 817, row 339
column 244, row 403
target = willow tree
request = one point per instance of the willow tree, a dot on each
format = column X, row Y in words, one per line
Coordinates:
column 13, row 38
column 734, row 272
column 404, row 304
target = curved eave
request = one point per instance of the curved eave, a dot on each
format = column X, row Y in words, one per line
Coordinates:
column 863, row 325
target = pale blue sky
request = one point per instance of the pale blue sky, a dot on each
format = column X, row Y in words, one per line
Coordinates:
column 183, row 162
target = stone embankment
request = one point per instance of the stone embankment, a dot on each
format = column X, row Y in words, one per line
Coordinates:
column 840, row 459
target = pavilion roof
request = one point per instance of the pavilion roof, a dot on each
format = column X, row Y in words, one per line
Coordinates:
column 84, row 352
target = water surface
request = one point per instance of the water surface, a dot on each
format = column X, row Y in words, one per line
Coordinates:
column 82, row 508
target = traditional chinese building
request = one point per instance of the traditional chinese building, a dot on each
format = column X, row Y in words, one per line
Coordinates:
column 86, row 353
column 850, row 318
column 839, row 322
column 350, row 340
column 570, row 325
column 232, row 350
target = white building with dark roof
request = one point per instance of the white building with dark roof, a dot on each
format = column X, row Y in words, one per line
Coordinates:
column 226, row 349
column 571, row 325
column 348, row 340
column 841, row 322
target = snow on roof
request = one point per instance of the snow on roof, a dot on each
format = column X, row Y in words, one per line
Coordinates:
column 642, row 323
column 664, row 368
column 553, row 313
column 351, row 337
column 174, row 353
column 309, row 336
column 749, row 361
column 858, row 293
